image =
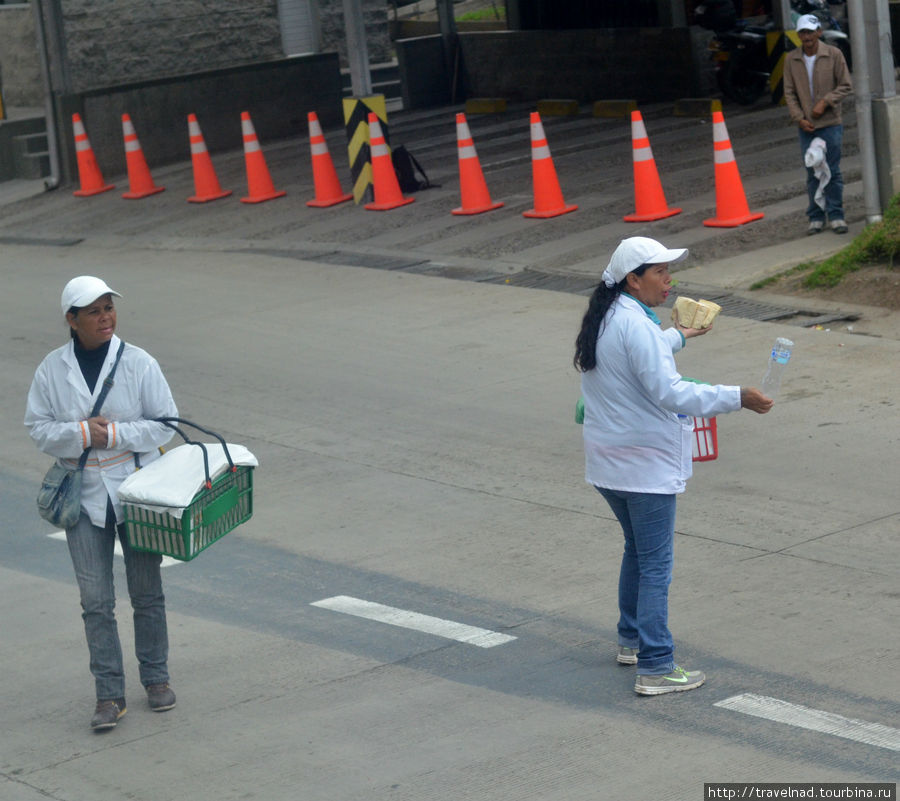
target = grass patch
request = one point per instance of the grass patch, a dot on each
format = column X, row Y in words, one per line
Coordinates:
column 878, row 243
column 482, row 14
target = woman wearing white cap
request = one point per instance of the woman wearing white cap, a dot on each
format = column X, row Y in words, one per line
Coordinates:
column 123, row 432
column 637, row 441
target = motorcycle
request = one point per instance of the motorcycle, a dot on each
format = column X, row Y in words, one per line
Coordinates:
column 739, row 51
column 741, row 61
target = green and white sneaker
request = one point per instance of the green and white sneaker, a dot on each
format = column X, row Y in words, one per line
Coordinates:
column 678, row 681
column 626, row 655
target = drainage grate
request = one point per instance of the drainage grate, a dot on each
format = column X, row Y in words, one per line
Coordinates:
column 733, row 305
column 30, row 240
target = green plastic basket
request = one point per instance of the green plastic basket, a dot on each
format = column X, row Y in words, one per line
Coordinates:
column 210, row 516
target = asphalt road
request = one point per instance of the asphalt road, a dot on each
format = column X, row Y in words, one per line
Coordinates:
column 417, row 451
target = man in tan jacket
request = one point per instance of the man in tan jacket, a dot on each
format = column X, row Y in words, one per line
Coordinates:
column 816, row 80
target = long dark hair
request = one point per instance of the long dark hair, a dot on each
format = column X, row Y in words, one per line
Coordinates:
column 591, row 326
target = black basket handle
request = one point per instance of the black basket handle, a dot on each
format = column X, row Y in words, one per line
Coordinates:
column 170, row 422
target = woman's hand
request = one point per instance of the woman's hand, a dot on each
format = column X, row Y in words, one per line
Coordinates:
column 97, row 426
column 755, row 401
column 687, row 333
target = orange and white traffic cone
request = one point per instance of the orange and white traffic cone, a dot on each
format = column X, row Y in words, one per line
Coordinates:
column 88, row 171
column 649, row 200
column 384, row 179
column 548, row 197
column 325, row 180
column 259, row 182
column 473, row 189
column 140, row 183
column 731, row 202
column 206, row 184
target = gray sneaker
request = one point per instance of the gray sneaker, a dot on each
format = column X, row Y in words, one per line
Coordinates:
column 839, row 226
column 107, row 714
column 626, row 655
column 815, row 227
column 161, row 697
column 677, row 681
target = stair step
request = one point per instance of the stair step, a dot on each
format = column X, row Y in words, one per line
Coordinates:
column 30, row 143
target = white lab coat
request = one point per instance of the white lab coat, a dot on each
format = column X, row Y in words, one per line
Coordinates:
column 634, row 438
column 59, row 404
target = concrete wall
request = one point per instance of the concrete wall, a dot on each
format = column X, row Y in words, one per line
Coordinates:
column 645, row 64
column 125, row 41
column 640, row 63
column 20, row 69
column 278, row 95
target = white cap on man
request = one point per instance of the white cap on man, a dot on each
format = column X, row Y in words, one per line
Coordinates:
column 808, row 22
column 83, row 291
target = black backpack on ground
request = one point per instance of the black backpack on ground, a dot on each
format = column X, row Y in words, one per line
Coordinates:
column 406, row 166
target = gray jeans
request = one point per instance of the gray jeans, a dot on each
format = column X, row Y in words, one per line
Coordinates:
column 91, row 549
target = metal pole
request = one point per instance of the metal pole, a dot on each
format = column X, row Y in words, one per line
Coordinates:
column 52, row 180
column 781, row 14
column 863, row 96
column 357, row 49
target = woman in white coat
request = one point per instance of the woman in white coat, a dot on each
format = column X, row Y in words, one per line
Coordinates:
column 637, row 440
column 122, row 434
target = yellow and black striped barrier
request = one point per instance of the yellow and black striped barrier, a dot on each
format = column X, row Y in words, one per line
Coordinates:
column 778, row 45
column 356, row 121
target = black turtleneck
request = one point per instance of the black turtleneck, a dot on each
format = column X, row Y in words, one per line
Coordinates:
column 91, row 362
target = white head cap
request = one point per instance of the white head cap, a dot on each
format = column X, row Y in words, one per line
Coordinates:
column 83, row 291
column 635, row 251
column 808, row 22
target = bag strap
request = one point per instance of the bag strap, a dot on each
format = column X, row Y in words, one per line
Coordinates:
column 104, row 391
column 418, row 166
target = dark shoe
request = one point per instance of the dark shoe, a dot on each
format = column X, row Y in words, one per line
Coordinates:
column 107, row 714
column 161, row 697
column 839, row 226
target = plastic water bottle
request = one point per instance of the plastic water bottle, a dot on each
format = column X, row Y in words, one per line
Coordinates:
column 780, row 356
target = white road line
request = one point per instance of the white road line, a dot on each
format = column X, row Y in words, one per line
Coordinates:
column 167, row 561
column 861, row 731
column 471, row 635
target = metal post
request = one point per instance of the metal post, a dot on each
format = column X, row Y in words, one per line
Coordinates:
column 52, row 180
column 863, row 96
column 447, row 23
column 781, row 14
column 357, row 49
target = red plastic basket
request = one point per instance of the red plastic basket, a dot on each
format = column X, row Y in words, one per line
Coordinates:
column 706, row 441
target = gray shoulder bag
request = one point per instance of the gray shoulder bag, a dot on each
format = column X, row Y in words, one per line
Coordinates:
column 59, row 498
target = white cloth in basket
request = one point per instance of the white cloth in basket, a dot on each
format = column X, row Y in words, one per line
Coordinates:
column 170, row 483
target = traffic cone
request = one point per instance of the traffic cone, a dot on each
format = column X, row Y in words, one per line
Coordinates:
column 475, row 196
column 649, row 200
column 731, row 203
column 259, row 182
column 328, row 188
column 140, row 184
column 88, row 171
column 548, row 197
column 206, row 184
column 384, row 179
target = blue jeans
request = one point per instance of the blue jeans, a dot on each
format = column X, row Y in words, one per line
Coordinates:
column 834, row 189
column 648, row 522
column 91, row 549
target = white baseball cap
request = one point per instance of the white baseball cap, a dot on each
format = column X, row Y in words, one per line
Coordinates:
column 808, row 22
column 83, row 291
column 635, row 251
